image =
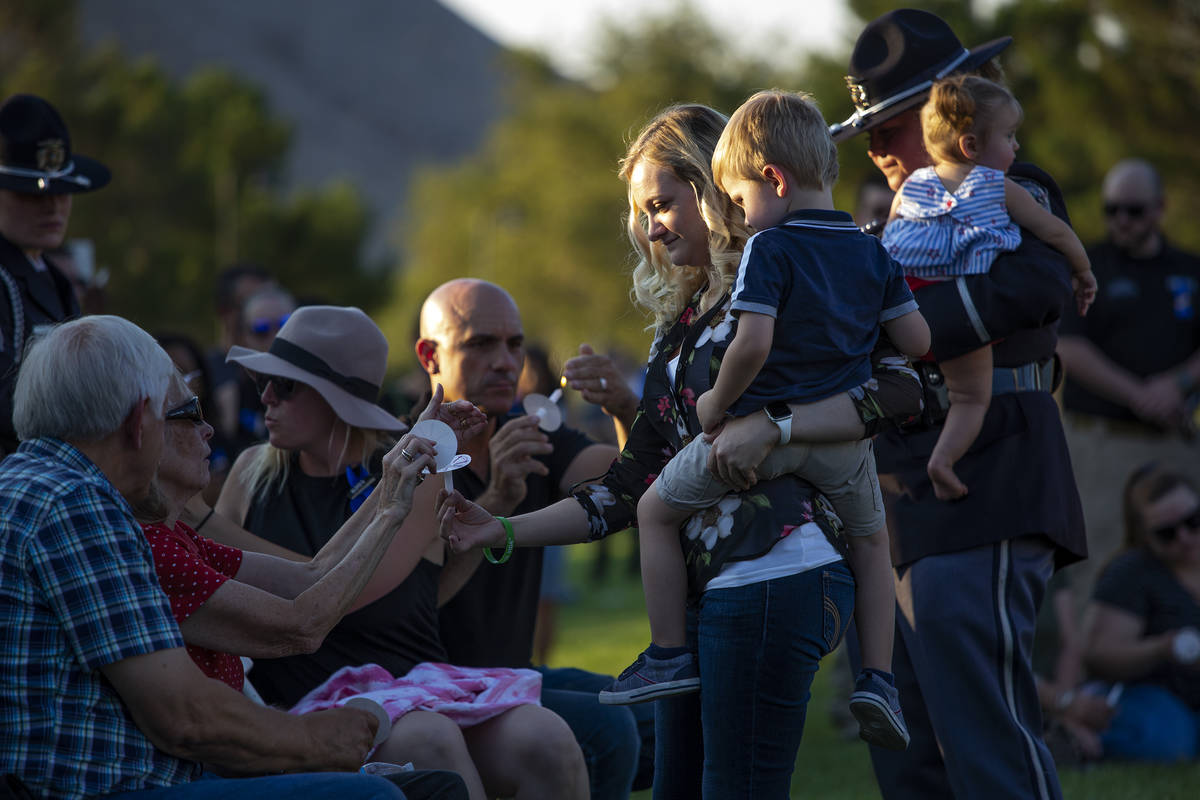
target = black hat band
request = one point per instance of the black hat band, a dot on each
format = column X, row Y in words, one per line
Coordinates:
column 307, row 361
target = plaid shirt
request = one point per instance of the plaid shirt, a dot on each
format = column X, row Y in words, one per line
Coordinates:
column 77, row 592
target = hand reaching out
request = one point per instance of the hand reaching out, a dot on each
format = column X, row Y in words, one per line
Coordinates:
column 402, row 473
column 464, row 525
column 462, row 416
column 599, row 382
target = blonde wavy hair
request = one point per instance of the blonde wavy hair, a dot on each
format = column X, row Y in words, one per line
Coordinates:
column 682, row 139
column 269, row 468
column 959, row 105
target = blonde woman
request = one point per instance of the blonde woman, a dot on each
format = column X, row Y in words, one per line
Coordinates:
column 770, row 592
column 320, row 381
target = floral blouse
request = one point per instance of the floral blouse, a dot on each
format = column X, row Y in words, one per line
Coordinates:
column 742, row 525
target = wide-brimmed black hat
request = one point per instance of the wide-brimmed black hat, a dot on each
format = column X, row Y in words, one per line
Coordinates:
column 897, row 58
column 35, row 151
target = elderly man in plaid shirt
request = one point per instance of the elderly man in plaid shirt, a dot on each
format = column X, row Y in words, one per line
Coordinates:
column 97, row 694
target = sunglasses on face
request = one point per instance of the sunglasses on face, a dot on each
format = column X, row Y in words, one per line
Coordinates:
column 1167, row 533
column 267, row 325
column 1131, row 210
column 189, row 412
column 284, row 387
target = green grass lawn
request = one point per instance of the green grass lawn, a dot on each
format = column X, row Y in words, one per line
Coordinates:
column 605, row 627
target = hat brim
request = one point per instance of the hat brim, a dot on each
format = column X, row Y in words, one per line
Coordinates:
column 350, row 409
column 864, row 121
column 88, row 175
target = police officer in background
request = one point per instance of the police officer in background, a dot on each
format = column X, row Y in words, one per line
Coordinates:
column 38, row 175
column 1133, row 363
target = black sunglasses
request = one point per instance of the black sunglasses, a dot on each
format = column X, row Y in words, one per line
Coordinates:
column 189, row 411
column 284, row 387
column 1131, row 210
column 1167, row 533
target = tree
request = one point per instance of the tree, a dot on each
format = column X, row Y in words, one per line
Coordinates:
column 196, row 177
column 538, row 209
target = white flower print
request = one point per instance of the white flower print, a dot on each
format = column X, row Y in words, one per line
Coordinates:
column 714, row 522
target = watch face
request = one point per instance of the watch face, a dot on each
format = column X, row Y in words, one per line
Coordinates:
column 779, row 411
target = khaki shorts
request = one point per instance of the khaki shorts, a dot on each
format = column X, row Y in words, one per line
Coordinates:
column 844, row 472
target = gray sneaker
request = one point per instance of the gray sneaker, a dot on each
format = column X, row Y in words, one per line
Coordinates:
column 876, row 706
column 650, row 678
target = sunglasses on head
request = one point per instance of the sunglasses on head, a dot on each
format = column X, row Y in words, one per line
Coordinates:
column 1131, row 210
column 284, row 387
column 189, row 412
column 267, row 325
column 1167, row 533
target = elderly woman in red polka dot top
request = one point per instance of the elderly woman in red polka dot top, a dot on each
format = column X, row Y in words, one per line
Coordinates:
column 269, row 605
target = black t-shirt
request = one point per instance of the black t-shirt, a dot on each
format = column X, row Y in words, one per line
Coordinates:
column 397, row 631
column 1146, row 318
column 1138, row 583
column 489, row 623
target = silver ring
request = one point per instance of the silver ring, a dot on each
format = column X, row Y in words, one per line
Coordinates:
column 603, row 383
column 407, row 455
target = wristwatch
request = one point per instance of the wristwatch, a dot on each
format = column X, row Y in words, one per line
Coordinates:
column 781, row 415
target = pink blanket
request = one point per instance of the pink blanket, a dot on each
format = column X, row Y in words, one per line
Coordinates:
column 467, row 695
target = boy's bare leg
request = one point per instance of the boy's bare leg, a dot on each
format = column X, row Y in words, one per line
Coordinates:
column 969, row 383
column 874, row 598
column 664, row 577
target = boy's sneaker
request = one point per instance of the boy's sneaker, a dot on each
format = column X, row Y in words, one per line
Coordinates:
column 650, row 678
column 876, row 705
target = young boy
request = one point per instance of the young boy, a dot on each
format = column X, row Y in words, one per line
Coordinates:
column 830, row 287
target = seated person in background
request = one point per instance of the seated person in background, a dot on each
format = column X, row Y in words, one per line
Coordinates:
column 1141, row 625
column 321, row 383
column 97, row 691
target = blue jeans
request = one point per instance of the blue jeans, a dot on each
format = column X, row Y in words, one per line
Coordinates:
column 312, row 786
column 611, row 737
column 1152, row 724
column 758, row 650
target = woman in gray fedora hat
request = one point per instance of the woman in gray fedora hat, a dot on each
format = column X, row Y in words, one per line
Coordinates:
column 320, row 380
column 39, row 173
column 972, row 573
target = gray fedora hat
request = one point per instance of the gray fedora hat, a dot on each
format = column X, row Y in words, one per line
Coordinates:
column 896, row 60
column 337, row 351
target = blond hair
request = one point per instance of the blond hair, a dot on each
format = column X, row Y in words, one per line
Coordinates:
column 270, row 465
column 781, row 128
column 957, row 106
column 681, row 139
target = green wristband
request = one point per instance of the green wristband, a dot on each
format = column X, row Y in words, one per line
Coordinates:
column 508, row 544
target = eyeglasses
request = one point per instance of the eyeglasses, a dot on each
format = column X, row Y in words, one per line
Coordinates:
column 284, row 387
column 189, row 411
column 266, row 325
column 1131, row 210
column 1167, row 533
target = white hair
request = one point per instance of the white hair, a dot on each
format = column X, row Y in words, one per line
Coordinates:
column 81, row 379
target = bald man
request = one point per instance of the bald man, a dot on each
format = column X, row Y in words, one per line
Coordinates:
column 1133, row 362
column 473, row 344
